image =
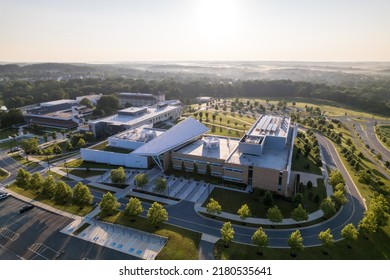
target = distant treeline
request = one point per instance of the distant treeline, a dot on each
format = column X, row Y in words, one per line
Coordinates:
column 374, row 97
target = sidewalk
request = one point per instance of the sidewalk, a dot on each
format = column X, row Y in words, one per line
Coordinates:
column 259, row 221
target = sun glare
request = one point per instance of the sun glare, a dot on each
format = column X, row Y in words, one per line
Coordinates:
column 216, row 20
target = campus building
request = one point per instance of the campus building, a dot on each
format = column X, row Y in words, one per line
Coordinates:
column 134, row 117
column 63, row 114
column 261, row 158
column 129, row 99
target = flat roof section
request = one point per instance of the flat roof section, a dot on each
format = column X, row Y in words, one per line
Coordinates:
column 270, row 125
column 271, row 159
column 58, row 102
column 198, row 148
column 139, row 134
column 119, row 119
column 180, row 134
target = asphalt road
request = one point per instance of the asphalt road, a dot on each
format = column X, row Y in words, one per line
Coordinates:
column 39, row 226
column 184, row 215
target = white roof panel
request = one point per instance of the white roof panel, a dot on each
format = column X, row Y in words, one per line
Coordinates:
column 178, row 135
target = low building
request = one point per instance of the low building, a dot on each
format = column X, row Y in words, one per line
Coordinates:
column 129, row 99
column 94, row 98
column 134, row 117
column 63, row 114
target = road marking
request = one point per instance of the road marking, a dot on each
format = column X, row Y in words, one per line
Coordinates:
column 9, row 234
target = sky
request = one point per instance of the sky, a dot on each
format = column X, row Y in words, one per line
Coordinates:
column 194, row 30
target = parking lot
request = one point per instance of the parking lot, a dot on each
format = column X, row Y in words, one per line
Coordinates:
column 36, row 235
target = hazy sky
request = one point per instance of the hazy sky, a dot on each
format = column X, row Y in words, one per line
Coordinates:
column 176, row 30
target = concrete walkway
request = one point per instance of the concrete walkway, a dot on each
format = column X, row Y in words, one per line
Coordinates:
column 206, row 247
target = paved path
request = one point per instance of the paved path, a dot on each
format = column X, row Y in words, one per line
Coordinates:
column 124, row 239
column 206, row 247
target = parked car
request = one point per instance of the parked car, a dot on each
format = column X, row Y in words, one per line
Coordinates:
column 4, row 196
column 26, row 208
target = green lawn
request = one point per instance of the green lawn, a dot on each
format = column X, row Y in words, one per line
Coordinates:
column 84, row 173
column 298, row 164
column 24, row 161
column 384, row 131
column 231, row 201
column 36, row 195
column 4, row 133
column 79, row 163
column 58, row 176
column 182, row 244
column 3, row 174
column 377, row 247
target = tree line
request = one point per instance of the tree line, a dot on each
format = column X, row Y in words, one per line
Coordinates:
column 373, row 97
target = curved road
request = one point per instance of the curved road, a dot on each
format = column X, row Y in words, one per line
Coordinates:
column 184, row 215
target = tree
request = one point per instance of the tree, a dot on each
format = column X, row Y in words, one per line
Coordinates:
column 49, row 186
column 326, row 239
column 268, row 199
column 157, row 214
column 328, row 207
column 141, row 180
column 63, row 193
column 295, row 241
column 118, row 176
column 227, row 233
column 260, row 239
column 274, row 214
column 109, row 204
column 69, row 146
column 309, row 185
column 336, row 177
column 368, row 224
column 133, row 208
column 36, row 181
column 108, row 104
column 298, row 198
column 23, row 179
column 86, row 102
column 340, row 187
column 56, row 149
column 80, row 143
column 45, row 136
column 82, row 195
column 160, row 185
column 299, row 214
column 339, row 198
column 350, row 234
column 379, row 208
column 244, row 212
column 30, row 146
column 364, row 177
column 213, row 207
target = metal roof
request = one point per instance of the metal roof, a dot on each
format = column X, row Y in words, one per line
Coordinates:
column 178, row 135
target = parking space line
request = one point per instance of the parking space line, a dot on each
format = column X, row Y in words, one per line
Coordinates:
column 9, row 234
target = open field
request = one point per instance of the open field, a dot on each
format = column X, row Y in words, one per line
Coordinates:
column 4, row 133
column 79, row 163
column 182, row 244
column 22, row 160
column 84, row 173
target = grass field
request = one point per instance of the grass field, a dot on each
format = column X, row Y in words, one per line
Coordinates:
column 24, row 161
column 231, row 201
column 58, row 176
column 384, row 131
column 73, row 209
column 4, row 133
column 84, row 173
column 182, row 244
column 3, row 174
column 79, row 163
column 376, row 247
column 298, row 164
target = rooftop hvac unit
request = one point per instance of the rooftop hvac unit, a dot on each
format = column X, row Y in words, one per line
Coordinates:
column 211, row 142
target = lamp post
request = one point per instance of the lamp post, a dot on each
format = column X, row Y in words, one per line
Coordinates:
column 48, row 161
